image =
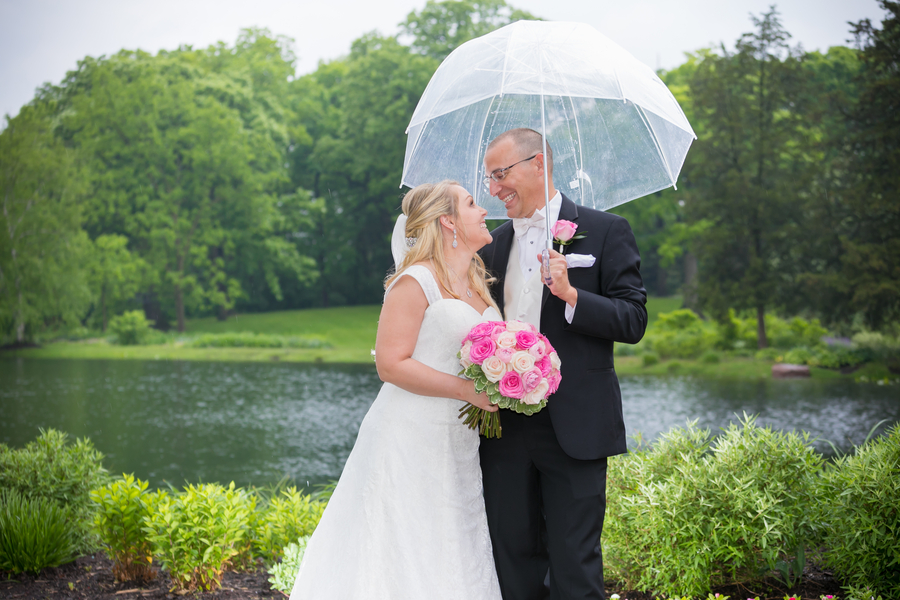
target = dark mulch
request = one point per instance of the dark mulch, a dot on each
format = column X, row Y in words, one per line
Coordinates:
column 90, row 578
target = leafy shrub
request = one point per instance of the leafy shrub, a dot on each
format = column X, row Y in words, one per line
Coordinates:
column 797, row 356
column 683, row 520
column 861, row 509
column 51, row 468
column 768, row 354
column 200, row 532
column 119, row 521
column 254, row 340
column 284, row 574
column 130, row 328
column 287, row 517
column 34, row 533
column 681, row 334
column 649, row 359
column 710, row 358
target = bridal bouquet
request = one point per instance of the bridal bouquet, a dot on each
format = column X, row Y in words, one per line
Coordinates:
column 514, row 365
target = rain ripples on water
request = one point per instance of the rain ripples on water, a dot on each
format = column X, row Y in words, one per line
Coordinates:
column 255, row 423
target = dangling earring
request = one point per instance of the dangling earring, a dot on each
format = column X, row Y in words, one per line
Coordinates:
column 454, row 238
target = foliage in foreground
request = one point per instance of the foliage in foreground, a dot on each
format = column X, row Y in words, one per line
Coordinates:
column 51, row 468
column 123, row 508
column 200, row 532
column 861, row 504
column 691, row 514
column 35, row 533
column 284, row 574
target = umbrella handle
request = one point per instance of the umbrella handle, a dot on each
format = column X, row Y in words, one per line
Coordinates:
column 545, row 261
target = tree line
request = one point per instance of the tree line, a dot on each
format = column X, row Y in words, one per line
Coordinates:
column 207, row 181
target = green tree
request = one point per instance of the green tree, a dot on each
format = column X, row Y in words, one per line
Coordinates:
column 41, row 241
column 188, row 161
column 441, row 27
column 868, row 281
column 750, row 165
column 114, row 274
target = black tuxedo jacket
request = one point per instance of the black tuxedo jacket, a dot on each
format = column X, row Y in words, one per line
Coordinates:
column 586, row 411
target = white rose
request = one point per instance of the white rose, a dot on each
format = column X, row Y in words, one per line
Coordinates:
column 537, row 394
column 554, row 361
column 517, row 326
column 507, row 339
column 522, row 361
column 493, row 368
column 464, row 355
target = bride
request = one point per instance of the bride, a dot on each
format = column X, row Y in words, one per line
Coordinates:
column 407, row 517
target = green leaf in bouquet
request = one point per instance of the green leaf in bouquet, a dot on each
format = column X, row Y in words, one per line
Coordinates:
column 473, row 372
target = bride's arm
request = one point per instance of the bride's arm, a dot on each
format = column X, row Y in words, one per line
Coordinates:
column 398, row 330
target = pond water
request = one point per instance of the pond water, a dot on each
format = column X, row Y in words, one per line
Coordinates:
column 255, row 423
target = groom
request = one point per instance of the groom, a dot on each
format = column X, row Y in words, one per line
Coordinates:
column 545, row 479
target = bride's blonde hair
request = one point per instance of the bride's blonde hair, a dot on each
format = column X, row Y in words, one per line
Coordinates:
column 424, row 205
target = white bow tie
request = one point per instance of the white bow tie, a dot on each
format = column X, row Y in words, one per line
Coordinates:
column 521, row 226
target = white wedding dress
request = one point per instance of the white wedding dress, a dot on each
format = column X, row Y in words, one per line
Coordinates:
column 407, row 518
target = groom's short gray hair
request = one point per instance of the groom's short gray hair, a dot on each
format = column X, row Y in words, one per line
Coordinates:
column 525, row 139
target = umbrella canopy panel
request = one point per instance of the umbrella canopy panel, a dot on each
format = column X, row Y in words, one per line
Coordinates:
column 616, row 131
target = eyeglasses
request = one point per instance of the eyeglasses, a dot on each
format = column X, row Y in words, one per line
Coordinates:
column 499, row 175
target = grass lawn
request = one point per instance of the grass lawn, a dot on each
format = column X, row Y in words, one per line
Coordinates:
column 350, row 331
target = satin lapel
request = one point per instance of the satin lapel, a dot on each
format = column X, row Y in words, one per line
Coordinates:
column 503, row 239
column 568, row 211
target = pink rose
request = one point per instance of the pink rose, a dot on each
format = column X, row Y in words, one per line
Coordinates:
column 511, row 385
column 499, row 328
column 544, row 365
column 480, row 331
column 505, row 354
column 554, row 380
column 537, row 351
column 526, row 339
column 481, row 350
column 538, row 393
column 531, row 378
column 563, row 230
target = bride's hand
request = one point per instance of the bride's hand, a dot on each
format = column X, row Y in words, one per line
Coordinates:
column 479, row 399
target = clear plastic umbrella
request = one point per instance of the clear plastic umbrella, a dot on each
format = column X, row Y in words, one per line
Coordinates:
column 616, row 131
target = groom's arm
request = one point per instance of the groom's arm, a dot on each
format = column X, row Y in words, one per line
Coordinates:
column 616, row 309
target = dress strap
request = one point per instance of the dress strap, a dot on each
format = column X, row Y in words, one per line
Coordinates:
column 425, row 279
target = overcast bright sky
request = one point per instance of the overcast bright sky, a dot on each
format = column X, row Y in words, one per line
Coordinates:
column 42, row 39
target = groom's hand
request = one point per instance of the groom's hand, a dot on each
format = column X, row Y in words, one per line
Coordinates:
column 559, row 274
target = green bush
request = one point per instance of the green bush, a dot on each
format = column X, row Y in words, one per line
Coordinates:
column 123, row 509
column 681, row 334
column 710, row 358
column 768, row 354
column 797, row 356
column 860, row 503
column 130, row 328
column 649, row 359
column 254, row 340
column 198, row 533
column 683, row 520
column 34, row 533
column 287, row 517
column 51, row 468
column 284, row 574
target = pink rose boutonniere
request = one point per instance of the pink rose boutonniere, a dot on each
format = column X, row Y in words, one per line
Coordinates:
column 564, row 233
